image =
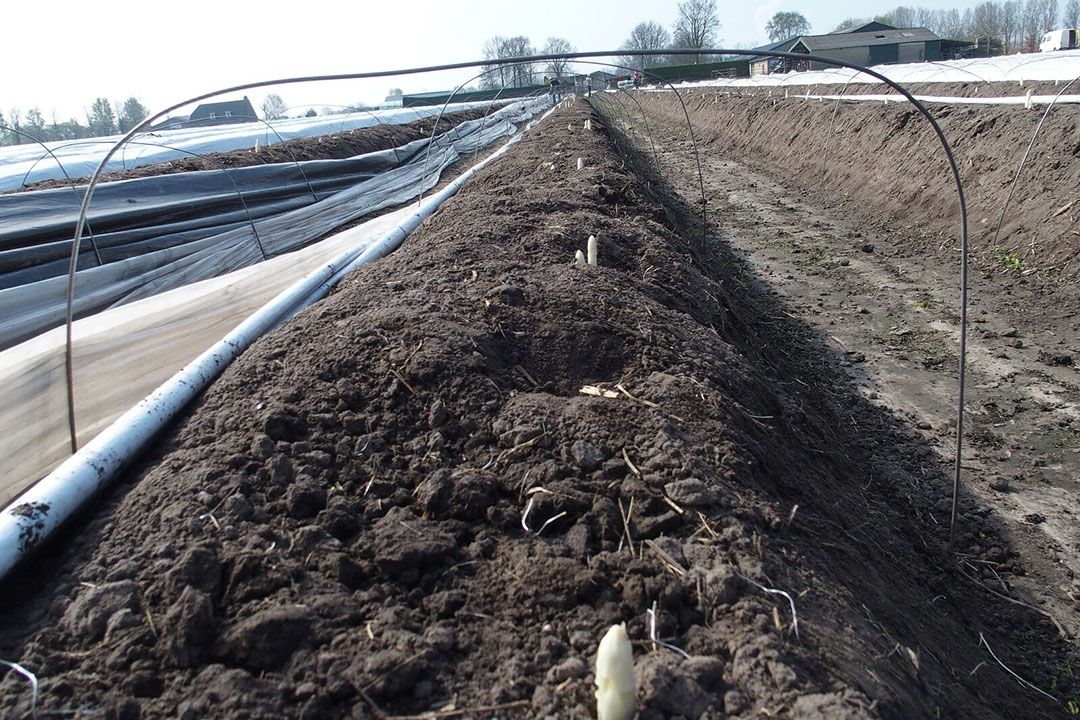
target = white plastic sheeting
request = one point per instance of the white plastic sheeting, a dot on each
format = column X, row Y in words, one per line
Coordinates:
column 29, row 163
column 122, row 354
column 43, row 508
column 1042, row 67
column 31, row 308
column 1025, row 100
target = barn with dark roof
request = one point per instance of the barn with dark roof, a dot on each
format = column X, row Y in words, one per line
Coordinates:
column 877, row 46
column 223, row 113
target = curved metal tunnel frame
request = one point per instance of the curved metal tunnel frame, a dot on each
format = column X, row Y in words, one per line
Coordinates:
column 1023, row 159
column 49, row 153
column 281, row 141
column 954, row 168
column 442, row 111
column 87, row 198
column 190, row 153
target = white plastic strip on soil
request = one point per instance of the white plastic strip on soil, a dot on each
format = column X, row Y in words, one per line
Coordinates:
column 30, row 163
column 124, row 353
column 1060, row 67
column 47, row 504
column 1028, row 101
column 142, row 342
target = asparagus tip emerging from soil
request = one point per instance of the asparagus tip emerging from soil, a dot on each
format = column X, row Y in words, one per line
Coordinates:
column 616, row 688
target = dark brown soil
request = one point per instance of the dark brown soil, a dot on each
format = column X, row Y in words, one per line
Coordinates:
column 886, row 162
column 401, row 500
column 327, row 147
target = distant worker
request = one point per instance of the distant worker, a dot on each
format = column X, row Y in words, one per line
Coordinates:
column 556, row 93
column 588, row 86
column 637, row 78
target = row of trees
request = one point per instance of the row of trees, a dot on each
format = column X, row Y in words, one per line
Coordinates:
column 696, row 26
column 1012, row 25
column 101, row 119
column 497, row 76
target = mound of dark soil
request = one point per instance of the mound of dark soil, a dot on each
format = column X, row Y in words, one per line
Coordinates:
column 885, row 159
column 404, row 500
column 336, row 146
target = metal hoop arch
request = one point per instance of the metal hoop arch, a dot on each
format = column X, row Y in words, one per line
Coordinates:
column 582, row 55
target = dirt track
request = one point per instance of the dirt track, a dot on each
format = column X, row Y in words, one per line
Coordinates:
column 888, row 297
column 402, row 500
column 886, row 161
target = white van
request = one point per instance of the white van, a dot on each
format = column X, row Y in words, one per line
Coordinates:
column 1059, row 40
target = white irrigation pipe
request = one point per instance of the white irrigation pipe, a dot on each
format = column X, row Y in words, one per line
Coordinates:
column 39, row 511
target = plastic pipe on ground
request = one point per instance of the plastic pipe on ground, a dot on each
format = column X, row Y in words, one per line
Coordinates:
column 36, row 514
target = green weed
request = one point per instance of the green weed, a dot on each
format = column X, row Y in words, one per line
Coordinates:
column 1009, row 261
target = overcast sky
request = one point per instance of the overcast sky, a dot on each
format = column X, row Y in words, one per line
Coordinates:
column 62, row 57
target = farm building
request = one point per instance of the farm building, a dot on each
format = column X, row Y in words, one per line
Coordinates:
column 871, row 44
column 223, row 113
column 738, row 67
column 874, row 43
column 441, row 96
column 764, row 64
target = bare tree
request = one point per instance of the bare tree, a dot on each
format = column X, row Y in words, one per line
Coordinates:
column 273, row 107
column 495, row 76
column 850, row 24
column 898, row 17
column 784, row 25
column 1010, row 24
column 925, row 17
column 1070, row 16
column 986, row 24
column 1049, row 15
column 645, row 36
column 557, row 46
column 502, row 75
column 695, row 27
column 950, row 24
column 1031, row 21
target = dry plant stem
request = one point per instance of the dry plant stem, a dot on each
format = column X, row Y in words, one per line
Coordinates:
column 550, row 520
column 1061, row 630
column 30, row 678
column 525, row 516
column 651, row 612
column 626, row 524
column 982, row 641
column 461, row 711
column 774, row 591
column 671, row 563
column 375, row 709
